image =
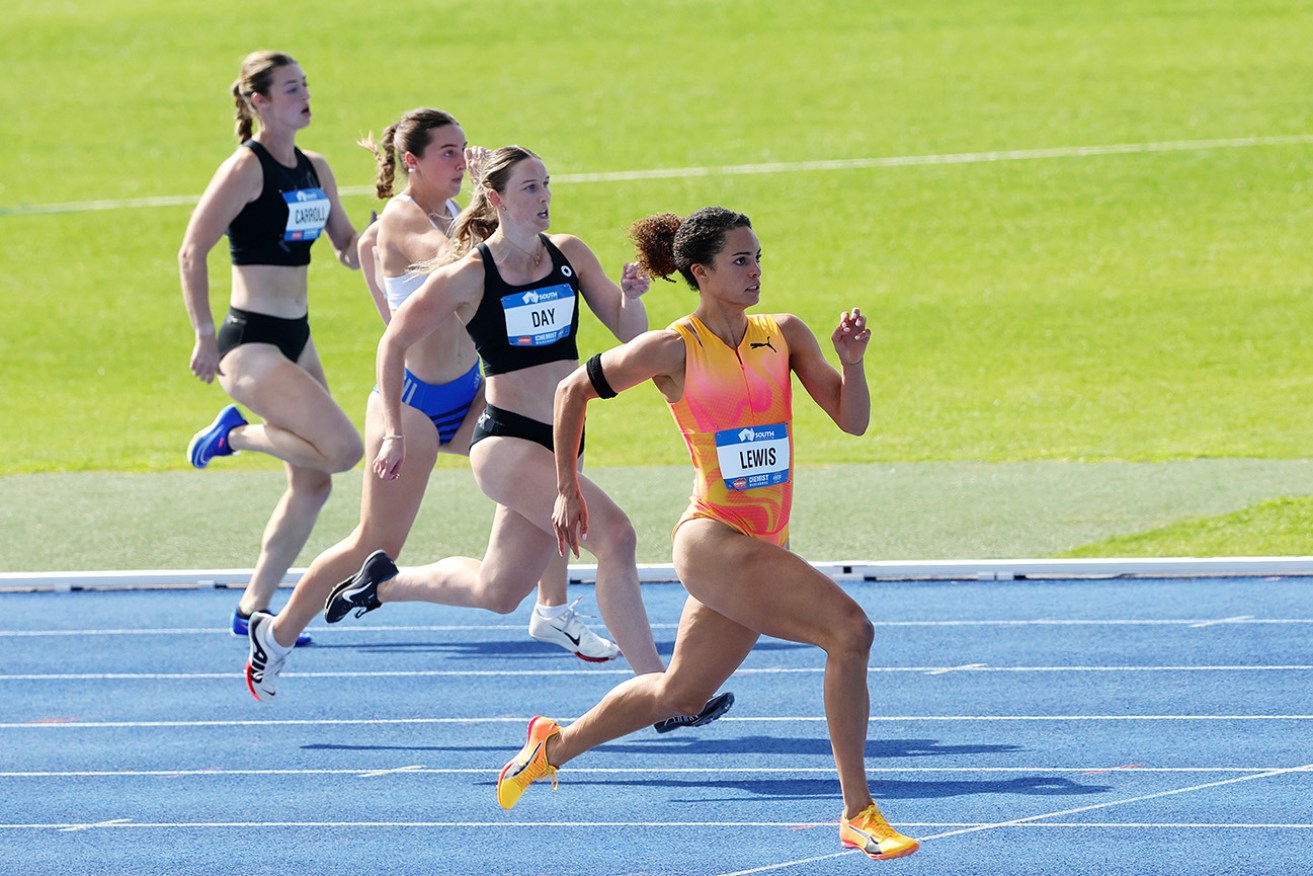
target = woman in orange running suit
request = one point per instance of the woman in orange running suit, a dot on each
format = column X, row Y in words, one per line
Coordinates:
column 726, row 377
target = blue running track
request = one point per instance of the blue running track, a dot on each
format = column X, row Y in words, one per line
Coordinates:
column 1110, row 726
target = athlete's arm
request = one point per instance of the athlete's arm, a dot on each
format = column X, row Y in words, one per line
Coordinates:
column 445, row 290
column 366, row 250
column 236, row 183
column 656, row 356
column 843, row 394
column 340, row 230
column 620, row 308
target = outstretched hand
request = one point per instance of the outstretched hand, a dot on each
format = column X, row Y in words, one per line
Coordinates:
column 851, row 337
column 633, row 282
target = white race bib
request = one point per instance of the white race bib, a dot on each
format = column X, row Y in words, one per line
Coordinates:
column 307, row 214
column 538, row 317
column 753, row 456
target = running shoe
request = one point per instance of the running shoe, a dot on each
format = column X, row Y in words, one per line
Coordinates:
column 359, row 593
column 869, row 832
column 715, row 707
column 267, row 657
column 569, row 632
column 530, row 764
column 212, row 441
column 241, row 624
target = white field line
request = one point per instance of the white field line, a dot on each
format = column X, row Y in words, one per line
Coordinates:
column 776, row 167
column 57, row 724
column 1193, row 623
column 579, row 673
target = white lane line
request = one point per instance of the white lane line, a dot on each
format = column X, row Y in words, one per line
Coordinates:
column 1138, row 799
column 414, row 768
column 117, row 822
column 491, row 673
column 947, row 669
column 159, row 825
column 776, row 167
column 1029, row 820
column 506, row 628
column 363, row 772
column 62, row 724
column 1239, row 619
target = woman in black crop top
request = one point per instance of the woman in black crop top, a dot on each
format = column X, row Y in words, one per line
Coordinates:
column 273, row 201
column 517, row 289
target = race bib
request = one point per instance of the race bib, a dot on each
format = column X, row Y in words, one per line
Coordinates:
column 753, row 456
column 307, row 214
column 538, row 317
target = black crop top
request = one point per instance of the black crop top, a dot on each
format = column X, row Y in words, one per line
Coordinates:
column 521, row 326
column 279, row 227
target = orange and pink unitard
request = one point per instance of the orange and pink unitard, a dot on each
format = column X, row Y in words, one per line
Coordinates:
column 736, row 417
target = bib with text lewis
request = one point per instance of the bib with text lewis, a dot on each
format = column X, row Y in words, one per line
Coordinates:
column 753, row 456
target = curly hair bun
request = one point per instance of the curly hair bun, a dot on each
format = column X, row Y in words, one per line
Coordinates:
column 654, row 238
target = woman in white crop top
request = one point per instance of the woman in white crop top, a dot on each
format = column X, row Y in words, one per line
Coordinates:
column 446, row 392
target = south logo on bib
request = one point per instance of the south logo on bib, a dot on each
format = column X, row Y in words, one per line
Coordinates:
column 307, row 213
column 538, row 317
column 753, row 456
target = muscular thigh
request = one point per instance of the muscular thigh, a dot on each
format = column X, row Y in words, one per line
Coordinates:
column 518, row 553
column 763, row 587
column 708, row 648
column 388, row 507
column 282, row 393
column 522, row 476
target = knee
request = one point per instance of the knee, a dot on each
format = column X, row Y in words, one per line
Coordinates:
column 343, row 452
column 614, row 539
column 683, row 696
column 855, row 634
column 500, row 602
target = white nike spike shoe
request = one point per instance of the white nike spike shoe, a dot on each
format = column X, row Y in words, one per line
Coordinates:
column 569, row 632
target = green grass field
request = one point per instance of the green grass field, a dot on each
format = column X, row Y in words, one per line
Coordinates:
column 1141, row 307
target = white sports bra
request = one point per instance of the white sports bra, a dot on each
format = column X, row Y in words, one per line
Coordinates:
column 398, row 289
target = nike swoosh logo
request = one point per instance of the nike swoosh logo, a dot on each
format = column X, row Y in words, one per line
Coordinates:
column 562, row 631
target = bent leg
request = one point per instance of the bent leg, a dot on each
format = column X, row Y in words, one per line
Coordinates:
column 302, row 425
column 778, row 593
column 285, row 534
column 516, row 556
column 708, row 648
column 387, row 512
column 521, row 475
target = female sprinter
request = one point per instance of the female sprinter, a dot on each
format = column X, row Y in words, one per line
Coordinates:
column 516, row 290
column 273, row 201
column 726, row 376
column 443, row 393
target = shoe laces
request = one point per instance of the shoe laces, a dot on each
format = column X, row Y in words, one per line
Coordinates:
column 872, row 821
column 571, row 613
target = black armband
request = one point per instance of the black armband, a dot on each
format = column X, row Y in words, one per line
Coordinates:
column 594, row 366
